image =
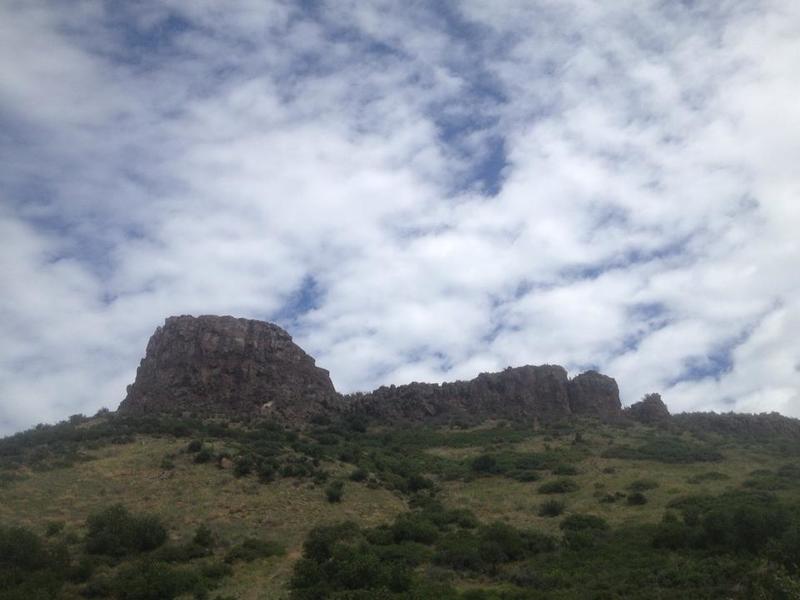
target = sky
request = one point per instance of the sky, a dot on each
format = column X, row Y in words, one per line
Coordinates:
column 415, row 191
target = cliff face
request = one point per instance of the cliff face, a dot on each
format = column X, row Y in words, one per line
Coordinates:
column 526, row 393
column 516, row 393
column 592, row 393
column 213, row 364
column 223, row 365
column 650, row 410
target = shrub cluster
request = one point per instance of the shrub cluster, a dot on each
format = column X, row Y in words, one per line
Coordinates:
column 114, row 531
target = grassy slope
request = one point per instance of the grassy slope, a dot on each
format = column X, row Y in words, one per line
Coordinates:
column 517, row 502
column 285, row 510
column 191, row 494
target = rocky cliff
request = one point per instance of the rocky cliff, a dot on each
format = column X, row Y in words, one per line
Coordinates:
column 650, row 410
column 526, row 393
column 223, row 365
column 212, row 364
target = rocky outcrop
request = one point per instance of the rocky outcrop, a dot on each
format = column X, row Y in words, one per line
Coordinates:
column 521, row 393
column 530, row 393
column 225, row 365
column 213, row 365
column 595, row 394
column 650, row 410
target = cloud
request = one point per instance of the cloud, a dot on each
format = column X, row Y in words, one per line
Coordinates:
column 415, row 193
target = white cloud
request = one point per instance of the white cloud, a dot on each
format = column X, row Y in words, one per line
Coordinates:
column 177, row 158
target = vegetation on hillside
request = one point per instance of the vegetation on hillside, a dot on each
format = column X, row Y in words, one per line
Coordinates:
column 183, row 507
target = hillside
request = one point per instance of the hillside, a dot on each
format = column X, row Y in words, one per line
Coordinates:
column 332, row 496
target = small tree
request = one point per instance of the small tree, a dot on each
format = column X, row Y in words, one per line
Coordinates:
column 335, row 491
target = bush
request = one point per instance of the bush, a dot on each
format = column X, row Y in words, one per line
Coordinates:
column 637, row 499
column 709, row 476
column 54, row 528
column 583, row 522
column 320, row 541
column 565, row 470
column 558, row 486
column 551, row 508
column 460, row 551
column 116, row 532
column 252, row 549
column 335, row 491
column 203, row 537
column 485, row 464
column 641, row 485
column 194, row 446
column 203, row 456
column 243, row 466
column 21, row 549
column 500, row 543
column 582, row 532
column 667, row 450
column 359, row 475
column 150, row 580
column 414, row 527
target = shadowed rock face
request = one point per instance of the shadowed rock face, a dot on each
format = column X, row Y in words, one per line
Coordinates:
column 650, row 410
column 213, row 364
column 227, row 366
column 517, row 393
column 592, row 393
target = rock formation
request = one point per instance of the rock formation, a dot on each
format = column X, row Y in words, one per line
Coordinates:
column 543, row 393
column 516, row 393
column 222, row 365
column 650, row 410
column 592, row 393
column 225, row 365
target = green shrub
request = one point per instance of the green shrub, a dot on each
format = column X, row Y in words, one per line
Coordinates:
column 459, row 550
column 359, row 475
column 414, row 527
column 150, row 580
column 485, row 464
column 642, row 485
column 667, row 450
column 54, row 528
column 583, row 522
column 551, row 508
column 500, row 543
column 637, row 499
column 203, row 537
column 582, row 532
column 416, row 483
column 204, row 455
column 243, row 466
column 558, row 486
column 708, row 476
column 319, row 543
column 565, row 470
column 116, row 532
column 335, row 491
column 251, row 549
column 215, row 570
column 523, row 475
column 22, row 549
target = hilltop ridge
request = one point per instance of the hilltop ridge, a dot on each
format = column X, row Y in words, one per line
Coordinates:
column 226, row 365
